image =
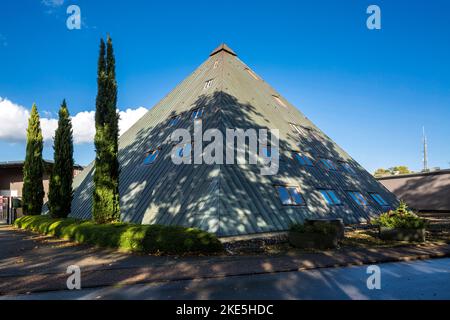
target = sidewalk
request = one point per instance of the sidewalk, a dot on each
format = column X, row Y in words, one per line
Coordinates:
column 33, row 263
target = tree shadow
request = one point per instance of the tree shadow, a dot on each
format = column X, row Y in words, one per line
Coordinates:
column 229, row 199
column 425, row 193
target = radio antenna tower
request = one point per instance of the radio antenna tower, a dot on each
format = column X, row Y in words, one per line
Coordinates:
column 425, row 151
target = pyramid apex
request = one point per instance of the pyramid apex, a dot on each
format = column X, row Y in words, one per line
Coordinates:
column 223, row 47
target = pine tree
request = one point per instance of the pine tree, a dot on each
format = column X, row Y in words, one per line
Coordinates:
column 60, row 189
column 33, row 168
column 106, row 175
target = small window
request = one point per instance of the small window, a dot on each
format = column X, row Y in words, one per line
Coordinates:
column 305, row 132
column 268, row 151
column 251, row 73
column 328, row 164
column 208, row 84
column 279, row 101
column 379, row 199
column 330, row 197
column 303, row 160
column 348, row 168
column 358, row 198
column 184, row 150
column 151, row 156
column 290, row 196
column 197, row 113
column 174, row 121
column 216, row 64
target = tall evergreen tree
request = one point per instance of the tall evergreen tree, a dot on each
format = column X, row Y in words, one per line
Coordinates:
column 106, row 176
column 60, row 189
column 33, row 168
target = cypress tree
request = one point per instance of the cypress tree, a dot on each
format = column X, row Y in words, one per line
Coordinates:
column 106, row 176
column 60, row 189
column 33, row 168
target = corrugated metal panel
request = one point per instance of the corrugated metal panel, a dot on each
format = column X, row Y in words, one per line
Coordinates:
column 228, row 199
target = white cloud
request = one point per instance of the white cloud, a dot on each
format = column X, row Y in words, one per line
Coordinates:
column 129, row 117
column 83, row 124
column 14, row 121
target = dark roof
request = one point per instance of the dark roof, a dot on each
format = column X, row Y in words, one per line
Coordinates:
column 416, row 174
column 223, row 47
column 14, row 164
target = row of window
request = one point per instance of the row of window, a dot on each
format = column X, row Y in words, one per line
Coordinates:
column 291, row 196
column 328, row 164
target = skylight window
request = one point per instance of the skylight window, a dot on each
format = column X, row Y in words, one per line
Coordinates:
column 379, row 199
column 358, row 198
column 174, row 121
column 328, row 164
column 208, row 84
column 252, row 74
column 151, row 156
column 303, row 160
column 290, row 196
column 216, row 64
column 300, row 130
column 330, row 197
column 184, row 150
column 279, row 101
column 197, row 113
column 348, row 168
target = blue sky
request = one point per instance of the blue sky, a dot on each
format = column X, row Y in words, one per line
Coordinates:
column 369, row 90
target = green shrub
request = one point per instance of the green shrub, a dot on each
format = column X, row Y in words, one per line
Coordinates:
column 400, row 218
column 317, row 227
column 125, row 236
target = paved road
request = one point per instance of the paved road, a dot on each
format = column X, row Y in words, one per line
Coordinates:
column 427, row 279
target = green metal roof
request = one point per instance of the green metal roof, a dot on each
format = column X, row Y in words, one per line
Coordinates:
column 228, row 199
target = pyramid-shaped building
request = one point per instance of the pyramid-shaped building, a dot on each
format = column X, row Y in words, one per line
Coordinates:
column 315, row 179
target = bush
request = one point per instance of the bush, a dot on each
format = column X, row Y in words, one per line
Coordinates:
column 318, row 227
column 125, row 236
column 400, row 218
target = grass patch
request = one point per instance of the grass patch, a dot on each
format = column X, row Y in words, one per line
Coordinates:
column 155, row 239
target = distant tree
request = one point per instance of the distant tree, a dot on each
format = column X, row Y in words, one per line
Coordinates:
column 381, row 172
column 60, row 189
column 33, row 168
column 400, row 170
column 106, row 174
column 392, row 171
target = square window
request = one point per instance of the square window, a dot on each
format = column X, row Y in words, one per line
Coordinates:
column 197, row 113
column 330, row 197
column 299, row 129
column 358, row 198
column 268, row 152
column 279, row 101
column 290, row 196
column 328, row 164
column 208, row 84
column 379, row 199
column 185, row 150
column 174, row 121
column 151, row 156
column 251, row 73
column 348, row 168
column 303, row 160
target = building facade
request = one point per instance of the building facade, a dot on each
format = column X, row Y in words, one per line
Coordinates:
column 11, row 183
column 424, row 191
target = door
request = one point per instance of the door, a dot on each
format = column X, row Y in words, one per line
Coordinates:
column 4, row 209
